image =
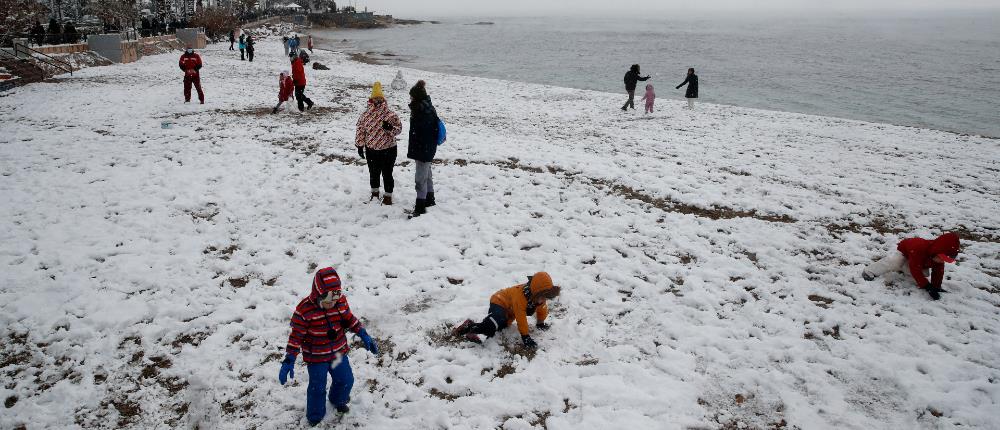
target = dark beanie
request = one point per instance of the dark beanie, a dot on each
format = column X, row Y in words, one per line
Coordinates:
column 418, row 92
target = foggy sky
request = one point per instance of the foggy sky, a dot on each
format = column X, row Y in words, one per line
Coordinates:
column 431, row 8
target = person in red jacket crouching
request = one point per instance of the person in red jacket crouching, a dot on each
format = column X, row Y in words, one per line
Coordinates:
column 319, row 325
column 285, row 88
column 299, row 76
column 919, row 255
column 190, row 64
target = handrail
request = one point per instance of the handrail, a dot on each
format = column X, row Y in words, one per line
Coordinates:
column 54, row 61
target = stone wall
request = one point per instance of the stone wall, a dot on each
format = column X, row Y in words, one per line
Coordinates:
column 69, row 48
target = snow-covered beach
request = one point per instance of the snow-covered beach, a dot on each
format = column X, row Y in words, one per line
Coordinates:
column 710, row 260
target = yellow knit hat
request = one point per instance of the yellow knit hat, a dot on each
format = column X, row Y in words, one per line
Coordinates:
column 377, row 91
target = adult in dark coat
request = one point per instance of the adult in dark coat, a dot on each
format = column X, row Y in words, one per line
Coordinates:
column 422, row 145
column 631, row 78
column 692, row 89
column 250, row 48
column 232, row 39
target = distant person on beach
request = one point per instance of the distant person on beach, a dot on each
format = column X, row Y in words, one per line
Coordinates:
column 285, row 88
column 284, row 44
column 514, row 304
column 293, row 45
column 631, row 79
column 299, row 76
column 190, row 64
column 320, row 324
column 918, row 255
column 243, row 47
column 309, row 43
column 692, row 90
column 250, row 48
column 649, row 97
column 376, row 141
column 232, row 39
column 423, row 145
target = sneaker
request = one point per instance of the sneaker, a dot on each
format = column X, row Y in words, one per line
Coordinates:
column 867, row 276
column 462, row 328
column 342, row 409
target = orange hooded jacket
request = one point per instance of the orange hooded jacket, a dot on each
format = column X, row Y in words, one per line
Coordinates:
column 513, row 300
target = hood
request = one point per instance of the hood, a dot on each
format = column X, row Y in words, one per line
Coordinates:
column 947, row 244
column 326, row 280
column 542, row 282
column 649, row 88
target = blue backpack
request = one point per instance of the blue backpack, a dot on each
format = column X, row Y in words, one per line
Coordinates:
column 442, row 133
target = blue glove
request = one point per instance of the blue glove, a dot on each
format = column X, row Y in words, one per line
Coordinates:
column 287, row 368
column 367, row 340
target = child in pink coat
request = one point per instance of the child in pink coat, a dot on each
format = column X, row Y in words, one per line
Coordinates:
column 649, row 97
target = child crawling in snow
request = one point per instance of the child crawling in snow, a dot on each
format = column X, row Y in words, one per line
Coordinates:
column 285, row 88
column 919, row 255
column 649, row 97
column 514, row 303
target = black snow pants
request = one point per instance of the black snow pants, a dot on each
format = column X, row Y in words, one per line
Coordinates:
column 300, row 96
column 380, row 164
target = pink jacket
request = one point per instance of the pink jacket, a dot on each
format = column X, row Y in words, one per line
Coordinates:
column 650, row 95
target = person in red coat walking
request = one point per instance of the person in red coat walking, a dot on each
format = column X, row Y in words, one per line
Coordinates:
column 190, row 64
column 918, row 255
column 299, row 76
column 285, row 87
column 319, row 326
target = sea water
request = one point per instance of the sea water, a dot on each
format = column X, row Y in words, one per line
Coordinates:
column 935, row 70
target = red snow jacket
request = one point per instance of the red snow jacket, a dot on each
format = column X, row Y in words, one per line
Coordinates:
column 320, row 333
column 190, row 64
column 285, row 87
column 920, row 253
column 298, row 72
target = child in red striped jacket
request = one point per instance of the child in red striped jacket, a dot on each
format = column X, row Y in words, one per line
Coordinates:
column 319, row 326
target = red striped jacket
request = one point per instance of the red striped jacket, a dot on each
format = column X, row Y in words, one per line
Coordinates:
column 370, row 133
column 321, row 333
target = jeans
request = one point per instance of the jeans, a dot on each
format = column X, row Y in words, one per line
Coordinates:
column 380, row 164
column 631, row 100
column 424, row 179
column 300, row 96
column 340, row 388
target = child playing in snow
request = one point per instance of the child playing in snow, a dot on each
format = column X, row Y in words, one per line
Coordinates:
column 285, row 87
column 919, row 255
column 649, row 97
column 319, row 324
column 515, row 303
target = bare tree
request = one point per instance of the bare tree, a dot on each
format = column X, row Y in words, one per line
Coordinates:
column 120, row 13
column 17, row 16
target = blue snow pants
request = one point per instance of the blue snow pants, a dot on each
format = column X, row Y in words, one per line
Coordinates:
column 340, row 389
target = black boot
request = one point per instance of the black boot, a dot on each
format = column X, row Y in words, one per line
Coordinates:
column 420, row 208
column 430, row 199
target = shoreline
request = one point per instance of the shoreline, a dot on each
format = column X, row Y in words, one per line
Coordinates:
column 375, row 58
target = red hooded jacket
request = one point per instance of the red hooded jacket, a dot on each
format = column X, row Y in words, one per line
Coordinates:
column 190, row 64
column 285, row 87
column 320, row 333
column 298, row 72
column 920, row 252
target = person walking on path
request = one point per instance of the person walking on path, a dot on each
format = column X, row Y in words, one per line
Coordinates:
column 514, row 304
column 243, row 47
column 649, row 97
column 376, row 141
column 190, row 64
column 299, row 77
column 309, row 43
column 423, row 142
column 232, row 39
column 918, row 255
column 319, row 327
column 250, row 48
column 631, row 78
column 692, row 90
column 285, row 88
